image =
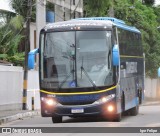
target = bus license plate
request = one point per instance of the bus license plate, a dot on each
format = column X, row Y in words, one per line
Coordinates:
column 77, row 110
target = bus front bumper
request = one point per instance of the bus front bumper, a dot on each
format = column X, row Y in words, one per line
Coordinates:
column 108, row 107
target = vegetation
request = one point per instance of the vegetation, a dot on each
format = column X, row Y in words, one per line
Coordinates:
column 141, row 14
column 21, row 8
column 12, row 31
column 10, row 38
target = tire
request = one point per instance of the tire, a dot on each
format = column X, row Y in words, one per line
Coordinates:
column 118, row 117
column 135, row 110
column 57, row 119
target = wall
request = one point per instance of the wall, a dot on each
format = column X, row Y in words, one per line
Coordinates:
column 152, row 88
column 11, row 86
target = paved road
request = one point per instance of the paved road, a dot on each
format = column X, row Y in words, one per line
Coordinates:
column 149, row 116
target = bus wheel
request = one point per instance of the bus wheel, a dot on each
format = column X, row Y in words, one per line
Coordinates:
column 134, row 111
column 57, row 119
column 118, row 117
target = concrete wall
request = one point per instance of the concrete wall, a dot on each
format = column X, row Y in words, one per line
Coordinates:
column 152, row 88
column 11, row 86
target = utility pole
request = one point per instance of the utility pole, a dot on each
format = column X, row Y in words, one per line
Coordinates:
column 27, row 48
column 70, row 9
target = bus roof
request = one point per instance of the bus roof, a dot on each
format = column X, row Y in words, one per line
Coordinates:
column 90, row 23
column 117, row 22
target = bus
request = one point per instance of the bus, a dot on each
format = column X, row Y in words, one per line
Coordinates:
column 90, row 67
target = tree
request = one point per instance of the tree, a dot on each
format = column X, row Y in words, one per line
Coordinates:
column 10, row 38
column 149, row 2
column 21, row 8
column 95, row 7
column 145, row 19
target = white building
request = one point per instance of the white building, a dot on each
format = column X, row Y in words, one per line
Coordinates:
column 67, row 9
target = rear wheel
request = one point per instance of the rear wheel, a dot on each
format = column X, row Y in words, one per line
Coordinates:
column 57, row 119
column 135, row 110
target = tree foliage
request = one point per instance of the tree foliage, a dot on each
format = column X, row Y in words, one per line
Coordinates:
column 149, row 2
column 10, row 38
column 21, row 8
column 143, row 16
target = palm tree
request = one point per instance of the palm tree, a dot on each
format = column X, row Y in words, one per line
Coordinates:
column 10, row 38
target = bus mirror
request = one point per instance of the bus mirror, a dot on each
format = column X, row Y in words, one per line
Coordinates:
column 115, row 58
column 31, row 58
column 159, row 72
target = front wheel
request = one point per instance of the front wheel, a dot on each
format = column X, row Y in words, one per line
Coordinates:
column 57, row 119
column 118, row 117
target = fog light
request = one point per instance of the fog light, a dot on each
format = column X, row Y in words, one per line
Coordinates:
column 110, row 108
column 51, row 102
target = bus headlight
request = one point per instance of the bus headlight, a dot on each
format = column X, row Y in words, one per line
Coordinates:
column 104, row 99
column 49, row 101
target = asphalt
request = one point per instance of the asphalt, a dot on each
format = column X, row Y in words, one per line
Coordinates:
column 11, row 115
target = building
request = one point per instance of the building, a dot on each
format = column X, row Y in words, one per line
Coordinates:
column 67, row 9
column 63, row 10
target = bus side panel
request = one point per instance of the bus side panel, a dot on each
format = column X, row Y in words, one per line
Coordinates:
column 132, row 80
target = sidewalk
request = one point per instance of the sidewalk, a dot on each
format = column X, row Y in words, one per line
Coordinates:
column 11, row 115
column 149, row 103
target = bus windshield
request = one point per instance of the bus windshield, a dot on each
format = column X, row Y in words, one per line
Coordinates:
column 76, row 59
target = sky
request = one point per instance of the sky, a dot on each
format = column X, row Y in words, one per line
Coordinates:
column 4, row 4
column 157, row 2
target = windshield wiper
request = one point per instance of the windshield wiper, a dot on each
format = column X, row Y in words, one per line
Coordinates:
column 85, row 72
column 67, row 76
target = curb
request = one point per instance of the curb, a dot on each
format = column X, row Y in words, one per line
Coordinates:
column 19, row 116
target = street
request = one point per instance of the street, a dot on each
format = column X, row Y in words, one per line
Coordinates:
column 148, row 117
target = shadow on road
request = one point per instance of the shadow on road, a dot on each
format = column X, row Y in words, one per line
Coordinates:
column 91, row 119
